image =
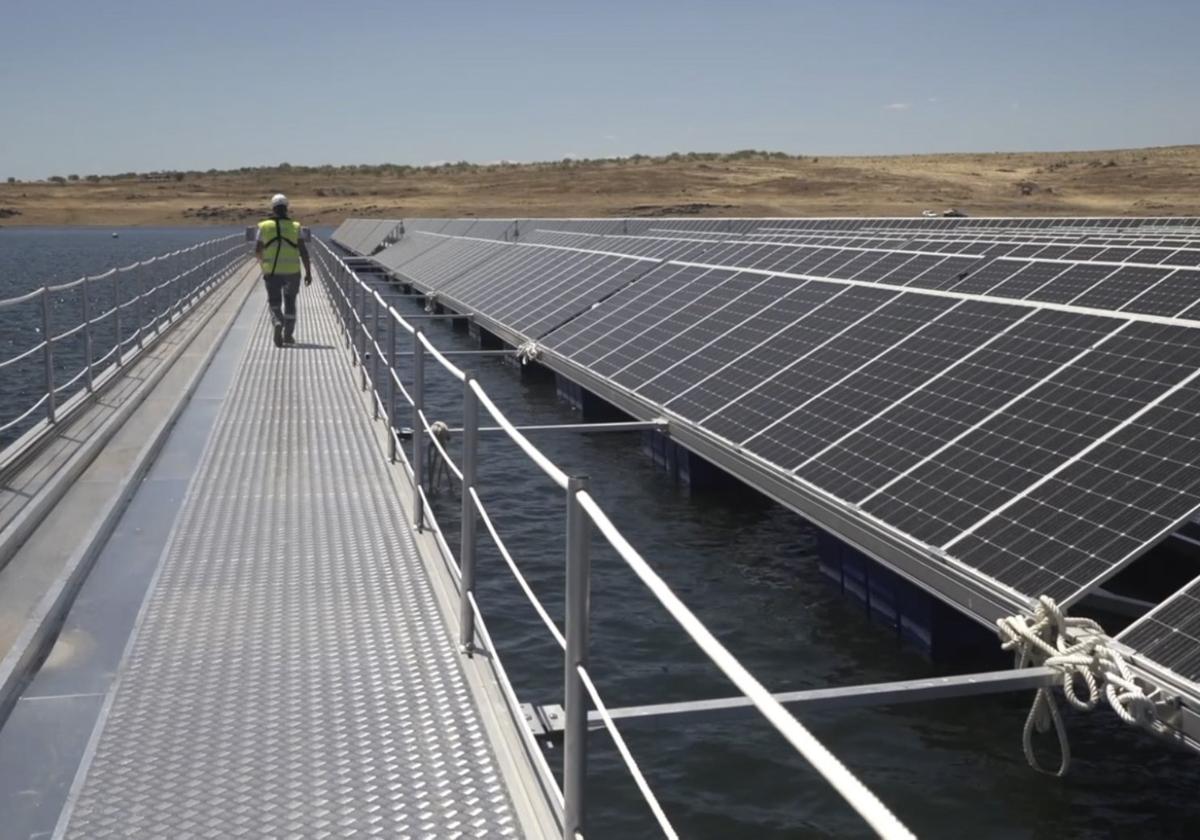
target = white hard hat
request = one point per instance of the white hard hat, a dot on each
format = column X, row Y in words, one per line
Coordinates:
column 278, row 199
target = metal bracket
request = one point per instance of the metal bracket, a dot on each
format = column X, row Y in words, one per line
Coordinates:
column 551, row 719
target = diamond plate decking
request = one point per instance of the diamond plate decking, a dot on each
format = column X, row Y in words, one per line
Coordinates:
column 290, row 674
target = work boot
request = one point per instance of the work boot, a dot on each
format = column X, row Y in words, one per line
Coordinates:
column 278, row 335
column 289, row 329
column 289, row 340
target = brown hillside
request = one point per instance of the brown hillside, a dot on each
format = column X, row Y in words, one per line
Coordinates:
column 1158, row 181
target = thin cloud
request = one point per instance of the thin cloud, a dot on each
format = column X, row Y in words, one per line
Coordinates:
column 897, row 106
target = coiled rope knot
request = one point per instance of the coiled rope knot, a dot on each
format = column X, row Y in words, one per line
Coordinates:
column 528, row 352
column 431, row 300
column 1081, row 650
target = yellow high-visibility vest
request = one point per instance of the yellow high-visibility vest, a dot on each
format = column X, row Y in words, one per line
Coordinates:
column 281, row 246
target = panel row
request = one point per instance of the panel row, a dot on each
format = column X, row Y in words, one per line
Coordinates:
column 972, row 426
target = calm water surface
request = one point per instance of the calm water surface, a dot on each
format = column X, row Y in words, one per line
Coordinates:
column 950, row 769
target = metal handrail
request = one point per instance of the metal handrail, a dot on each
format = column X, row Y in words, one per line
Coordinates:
column 350, row 295
column 167, row 285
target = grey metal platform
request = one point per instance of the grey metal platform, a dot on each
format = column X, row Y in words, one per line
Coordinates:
column 291, row 672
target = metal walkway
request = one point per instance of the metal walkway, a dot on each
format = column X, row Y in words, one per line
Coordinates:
column 290, row 672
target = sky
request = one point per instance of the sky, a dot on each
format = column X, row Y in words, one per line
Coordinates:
column 134, row 85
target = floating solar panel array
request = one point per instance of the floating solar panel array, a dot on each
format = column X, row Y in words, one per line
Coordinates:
column 1013, row 401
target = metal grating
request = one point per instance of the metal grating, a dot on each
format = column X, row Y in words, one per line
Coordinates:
column 291, row 674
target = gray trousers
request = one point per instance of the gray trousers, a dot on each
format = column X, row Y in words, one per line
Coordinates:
column 282, row 290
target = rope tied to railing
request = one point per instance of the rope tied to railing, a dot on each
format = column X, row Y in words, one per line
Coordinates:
column 439, row 468
column 528, row 352
column 431, row 300
column 1085, row 655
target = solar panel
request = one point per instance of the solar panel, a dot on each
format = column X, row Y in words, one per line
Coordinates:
column 1102, row 507
column 688, row 305
column 1121, row 288
column 1028, row 280
column 1173, row 296
column 1002, row 352
column 1073, row 282
column 529, row 288
column 435, row 267
column 1170, row 634
column 865, row 322
column 412, row 245
column 974, row 474
column 375, row 236
column 740, row 328
column 557, row 298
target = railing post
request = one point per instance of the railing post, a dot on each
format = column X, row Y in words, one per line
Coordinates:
column 391, row 389
column 376, row 352
column 178, row 306
column 156, row 297
column 467, row 541
column 116, row 284
column 418, row 435
column 360, row 332
column 140, row 309
column 48, row 353
column 87, row 333
column 347, row 298
column 575, row 751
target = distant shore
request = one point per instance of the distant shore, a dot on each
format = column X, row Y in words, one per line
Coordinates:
column 1128, row 182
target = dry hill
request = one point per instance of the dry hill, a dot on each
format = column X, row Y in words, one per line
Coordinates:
column 1158, row 181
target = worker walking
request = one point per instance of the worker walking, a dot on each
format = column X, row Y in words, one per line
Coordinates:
column 280, row 250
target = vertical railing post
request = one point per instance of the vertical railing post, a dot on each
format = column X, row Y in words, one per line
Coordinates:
column 578, row 599
column 467, row 541
column 391, row 389
column 116, row 290
column 199, row 270
column 155, row 299
column 418, row 433
column 347, row 299
column 351, row 335
column 87, row 332
column 140, row 310
column 163, row 294
column 376, row 352
column 48, row 353
column 360, row 330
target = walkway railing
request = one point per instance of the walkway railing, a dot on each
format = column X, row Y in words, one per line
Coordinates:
column 113, row 317
column 370, row 325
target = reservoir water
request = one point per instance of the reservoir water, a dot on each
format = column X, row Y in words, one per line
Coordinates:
column 949, row 769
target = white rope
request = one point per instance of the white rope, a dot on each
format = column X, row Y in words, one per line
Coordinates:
column 528, row 352
column 512, row 565
column 862, row 800
column 627, row 756
column 532, row 452
column 514, row 705
column 1084, row 653
column 431, row 302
